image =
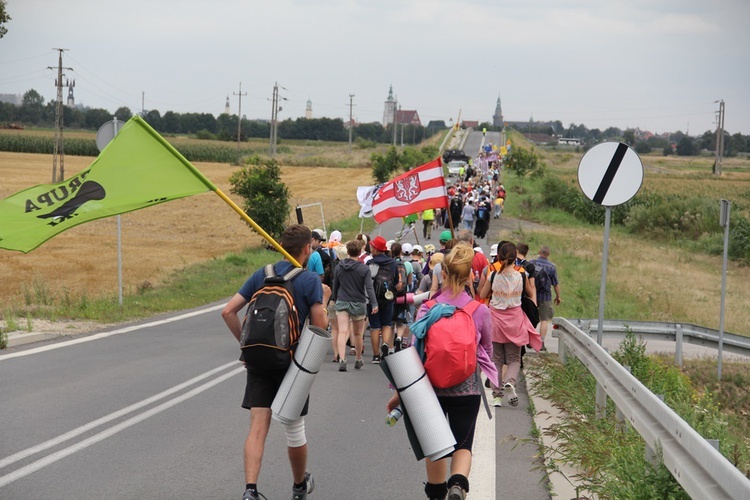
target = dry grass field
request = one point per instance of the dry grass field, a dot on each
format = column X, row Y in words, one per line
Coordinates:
column 157, row 240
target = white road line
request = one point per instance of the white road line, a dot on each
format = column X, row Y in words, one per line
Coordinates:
column 102, row 335
column 482, row 475
column 59, row 455
column 108, row 418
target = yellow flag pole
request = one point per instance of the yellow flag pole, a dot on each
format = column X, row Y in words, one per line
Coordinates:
column 257, row 228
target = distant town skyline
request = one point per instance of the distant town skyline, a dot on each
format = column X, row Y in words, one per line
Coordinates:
column 657, row 66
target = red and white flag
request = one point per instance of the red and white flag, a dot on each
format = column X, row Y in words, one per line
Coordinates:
column 419, row 189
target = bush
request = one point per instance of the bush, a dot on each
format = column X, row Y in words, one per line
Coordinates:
column 266, row 197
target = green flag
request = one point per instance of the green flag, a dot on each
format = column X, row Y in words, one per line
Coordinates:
column 138, row 169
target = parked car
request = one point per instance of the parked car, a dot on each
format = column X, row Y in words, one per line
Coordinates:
column 454, row 167
column 450, row 155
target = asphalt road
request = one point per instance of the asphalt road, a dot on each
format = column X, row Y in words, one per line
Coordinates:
column 152, row 411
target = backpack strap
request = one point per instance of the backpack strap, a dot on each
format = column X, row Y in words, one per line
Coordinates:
column 269, row 271
column 471, row 307
column 293, row 272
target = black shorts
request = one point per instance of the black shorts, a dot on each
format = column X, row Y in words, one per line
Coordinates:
column 261, row 389
column 462, row 414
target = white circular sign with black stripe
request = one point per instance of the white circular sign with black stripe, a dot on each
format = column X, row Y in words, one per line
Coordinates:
column 610, row 173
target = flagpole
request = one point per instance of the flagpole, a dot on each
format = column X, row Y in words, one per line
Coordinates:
column 257, row 228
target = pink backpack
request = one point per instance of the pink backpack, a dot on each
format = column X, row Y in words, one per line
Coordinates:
column 451, row 347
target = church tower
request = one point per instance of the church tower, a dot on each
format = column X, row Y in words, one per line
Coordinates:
column 497, row 118
column 389, row 111
column 308, row 110
column 227, row 110
column 71, row 98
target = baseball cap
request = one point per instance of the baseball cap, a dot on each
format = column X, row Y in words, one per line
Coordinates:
column 479, row 249
column 389, row 243
column 429, row 248
column 378, row 244
column 417, row 249
column 445, row 236
column 406, row 248
column 335, row 236
column 316, row 235
column 493, row 250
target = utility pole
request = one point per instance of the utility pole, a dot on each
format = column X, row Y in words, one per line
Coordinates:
column 59, row 150
column 274, row 106
column 351, row 123
column 143, row 104
column 719, row 159
column 275, row 117
column 239, row 121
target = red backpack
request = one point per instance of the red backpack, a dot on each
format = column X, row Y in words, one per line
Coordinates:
column 451, row 347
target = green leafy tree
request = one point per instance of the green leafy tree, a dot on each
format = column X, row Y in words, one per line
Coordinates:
column 524, row 163
column 4, row 18
column 123, row 114
column 266, row 197
column 32, row 107
column 384, row 166
column 686, row 147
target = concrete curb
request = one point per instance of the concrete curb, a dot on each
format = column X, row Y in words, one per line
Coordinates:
column 16, row 339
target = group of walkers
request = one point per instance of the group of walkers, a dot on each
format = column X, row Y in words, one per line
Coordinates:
column 362, row 283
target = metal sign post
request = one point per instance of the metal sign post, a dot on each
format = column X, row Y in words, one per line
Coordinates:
column 726, row 206
column 609, row 174
column 104, row 136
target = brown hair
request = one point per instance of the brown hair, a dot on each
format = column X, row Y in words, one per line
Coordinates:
column 507, row 254
column 522, row 248
column 354, row 247
column 457, row 266
column 295, row 238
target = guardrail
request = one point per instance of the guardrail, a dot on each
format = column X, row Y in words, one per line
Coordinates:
column 701, row 470
column 677, row 332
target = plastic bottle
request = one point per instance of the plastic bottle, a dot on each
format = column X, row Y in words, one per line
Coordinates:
column 393, row 416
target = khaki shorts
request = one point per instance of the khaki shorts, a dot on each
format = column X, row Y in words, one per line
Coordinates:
column 546, row 311
column 356, row 310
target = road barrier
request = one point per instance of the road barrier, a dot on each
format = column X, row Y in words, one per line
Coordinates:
column 699, row 468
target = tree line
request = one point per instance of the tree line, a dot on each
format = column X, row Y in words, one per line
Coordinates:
column 678, row 143
column 33, row 111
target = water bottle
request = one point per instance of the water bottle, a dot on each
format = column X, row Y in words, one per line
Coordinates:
column 393, row 416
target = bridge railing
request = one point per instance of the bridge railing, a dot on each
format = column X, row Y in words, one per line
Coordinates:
column 701, row 470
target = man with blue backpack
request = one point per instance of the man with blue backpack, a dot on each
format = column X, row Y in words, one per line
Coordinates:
column 545, row 280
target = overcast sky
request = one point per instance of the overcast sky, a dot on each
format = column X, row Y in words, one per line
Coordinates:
column 654, row 64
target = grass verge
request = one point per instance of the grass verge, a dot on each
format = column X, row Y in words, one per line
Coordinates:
column 611, row 455
column 186, row 288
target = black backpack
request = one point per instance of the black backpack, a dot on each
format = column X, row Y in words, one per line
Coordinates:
column 271, row 329
column 382, row 282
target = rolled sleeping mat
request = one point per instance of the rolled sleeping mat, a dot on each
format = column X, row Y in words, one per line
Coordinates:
column 413, row 298
column 295, row 388
column 421, row 404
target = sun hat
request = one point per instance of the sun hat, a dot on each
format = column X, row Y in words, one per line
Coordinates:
column 378, row 244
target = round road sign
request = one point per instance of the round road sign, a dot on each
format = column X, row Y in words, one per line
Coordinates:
column 610, row 173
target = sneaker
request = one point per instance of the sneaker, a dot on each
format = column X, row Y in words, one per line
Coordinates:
column 383, row 350
column 544, row 348
column 352, row 351
column 342, row 365
column 253, row 495
column 513, row 399
column 487, row 383
column 498, row 402
column 376, row 360
column 404, row 342
column 397, row 344
column 301, row 493
column 358, row 363
column 456, row 493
